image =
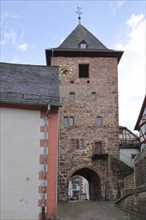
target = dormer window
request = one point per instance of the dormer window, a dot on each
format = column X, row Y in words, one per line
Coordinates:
column 83, row 44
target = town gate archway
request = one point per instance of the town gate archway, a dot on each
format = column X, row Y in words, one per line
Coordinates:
column 94, row 182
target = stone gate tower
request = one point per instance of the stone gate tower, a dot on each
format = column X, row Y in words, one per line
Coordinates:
column 89, row 128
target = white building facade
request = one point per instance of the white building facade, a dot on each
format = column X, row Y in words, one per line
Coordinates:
column 20, row 152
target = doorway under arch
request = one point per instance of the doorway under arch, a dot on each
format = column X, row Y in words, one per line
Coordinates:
column 93, row 181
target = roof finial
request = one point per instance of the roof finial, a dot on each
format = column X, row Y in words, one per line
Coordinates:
column 79, row 13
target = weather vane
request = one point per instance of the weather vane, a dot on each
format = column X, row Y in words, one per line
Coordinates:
column 79, row 13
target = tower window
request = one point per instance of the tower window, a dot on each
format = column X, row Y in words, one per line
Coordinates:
column 93, row 96
column 83, row 70
column 68, row 121
column 77, row 144
column 65, row 121
column 72, row 96
column 99, row 121
column 71, row 121
column 82, row 143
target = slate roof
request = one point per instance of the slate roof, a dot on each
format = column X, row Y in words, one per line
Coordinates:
column 71, row 46
column 79, row 34
column 29, row 84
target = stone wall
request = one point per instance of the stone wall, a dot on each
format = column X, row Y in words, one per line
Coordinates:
column 134, row 200
column 120, row 170
column 140, row 170
column 102, row 80
column 135, row 205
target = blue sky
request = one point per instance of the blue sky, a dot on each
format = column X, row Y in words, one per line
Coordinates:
column 29, row 27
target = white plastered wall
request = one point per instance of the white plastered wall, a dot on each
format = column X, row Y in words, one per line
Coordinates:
column 20, row 138
column 125, row 156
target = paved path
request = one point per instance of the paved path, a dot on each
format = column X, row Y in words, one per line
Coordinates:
column 90, row 210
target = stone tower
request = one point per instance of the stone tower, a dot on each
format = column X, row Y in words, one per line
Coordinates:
column 89, row 128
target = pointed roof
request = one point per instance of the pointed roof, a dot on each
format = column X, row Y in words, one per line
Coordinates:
column 79, row 34
column 71, row 46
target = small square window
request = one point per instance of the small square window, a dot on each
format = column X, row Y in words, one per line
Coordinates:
column 83, row 70
column 99, row 121
column 72, row 96
column 93, row 96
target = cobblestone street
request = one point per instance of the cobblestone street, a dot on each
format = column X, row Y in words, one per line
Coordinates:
column 90, row 210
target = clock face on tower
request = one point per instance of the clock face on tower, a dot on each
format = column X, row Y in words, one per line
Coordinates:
column 65, row 70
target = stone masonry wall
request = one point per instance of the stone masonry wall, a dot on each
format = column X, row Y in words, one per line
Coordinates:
column 134, row 200
column 135, row 205
column 140, row 170
column 102, row 80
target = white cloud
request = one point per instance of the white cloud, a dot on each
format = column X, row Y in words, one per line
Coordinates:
column 8, row 16
column 23, row 47
column 9, row 37
column 14, row 37
column 134, row 20
column 132, row 72
column 114, row 5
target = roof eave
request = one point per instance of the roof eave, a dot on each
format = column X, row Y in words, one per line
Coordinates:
column 55, row 52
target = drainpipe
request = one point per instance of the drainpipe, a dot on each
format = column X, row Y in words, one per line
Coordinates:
column 44, row 162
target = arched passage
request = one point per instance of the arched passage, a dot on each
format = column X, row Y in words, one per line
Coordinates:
column 93, row 180
column 78, row 188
